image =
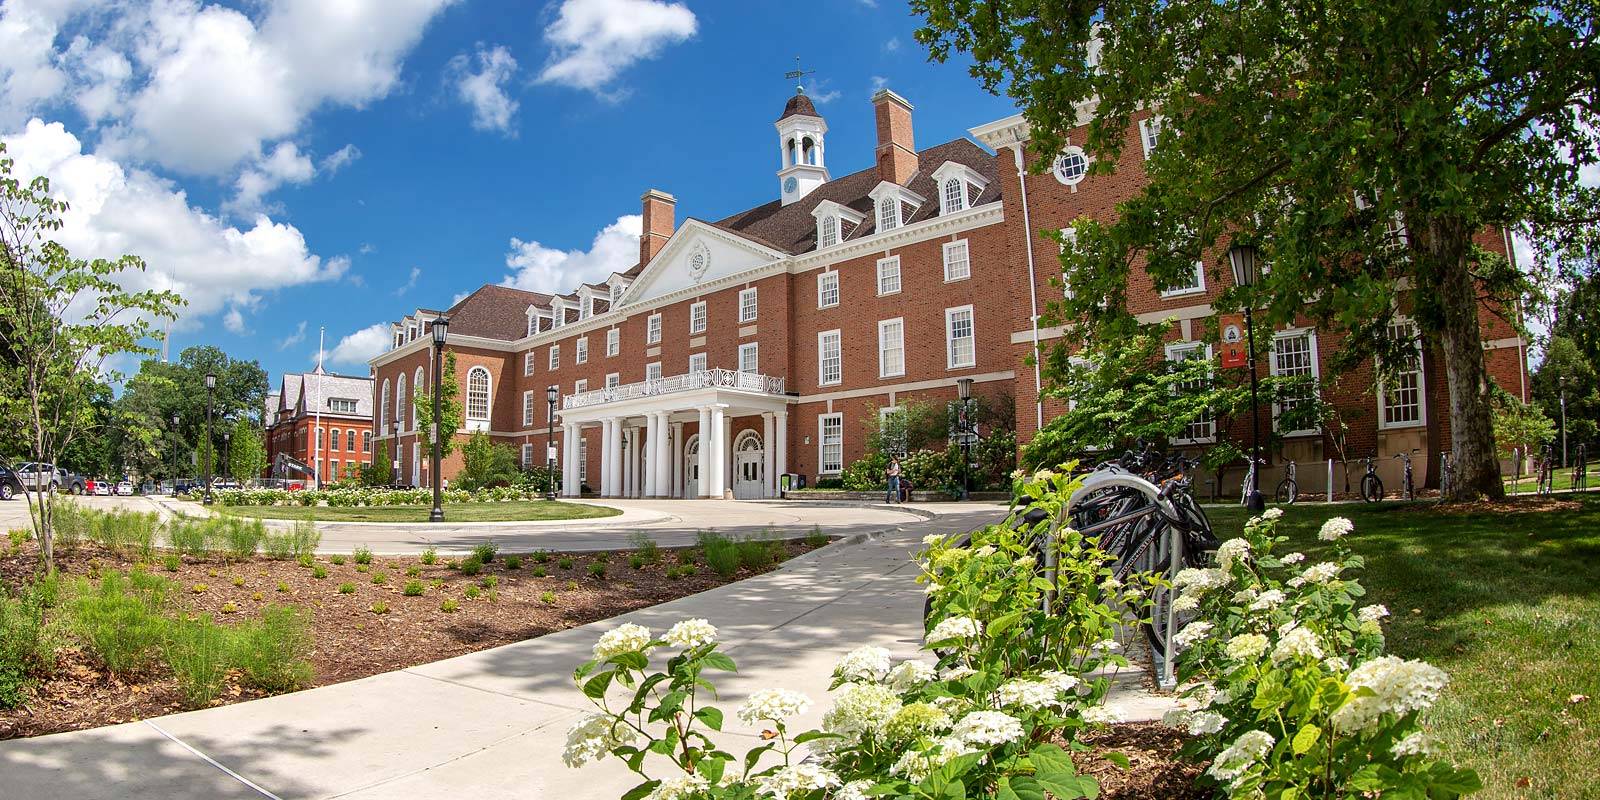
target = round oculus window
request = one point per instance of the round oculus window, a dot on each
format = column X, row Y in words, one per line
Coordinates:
column 1071, row 166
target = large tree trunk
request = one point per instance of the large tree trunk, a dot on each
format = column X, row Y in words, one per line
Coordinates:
column 1445, row 282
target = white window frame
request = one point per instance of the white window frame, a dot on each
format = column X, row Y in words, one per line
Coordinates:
column 527, row 455
column 1199, row 286
column 1069, row 152
column 582, row 354
column 885, row 368
column 889, row 276
column 1180, row 351
column 488, row 395
column 826, row 282
column 528, row 360
column 1421, row 405
column 961, row 246
column 823, row 339
column 613, row 380
column 887, row 212
column 750, row 357
column 1316, row 370
column 613, row 342
column 823, row 465
column 555, row 357
column 749, row 305
column 697, row 318
column 827, row 231
column 951, row 203
column 366, row 441
column 558, row 315
column 652, row 371
column 950, row 315
column 527, row 408
column 652, row 329
column 580, row 386
column 1150, row 133
column 697, row 362
column 383, row 409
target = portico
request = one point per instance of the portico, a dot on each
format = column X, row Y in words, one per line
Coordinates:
column 647, row 448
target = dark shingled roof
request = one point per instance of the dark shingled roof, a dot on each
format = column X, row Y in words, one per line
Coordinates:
column 494, row 312
column 792, row 229
column 799, row 104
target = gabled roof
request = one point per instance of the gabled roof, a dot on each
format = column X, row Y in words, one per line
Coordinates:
column 494, row 312
column 315, row 389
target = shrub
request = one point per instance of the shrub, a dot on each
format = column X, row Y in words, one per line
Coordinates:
column 271, row 652
column 485, row 552
column 473, row 592
column 513, row 562
column 541, row 556
column 688, row 571
column 282, row 586
column 304, row 538
column 380, row 578
column 412, row 572
column 199, row 588
column 198, row 653
column 319, row 572
column 722, row 553
column 413, row 589
column 489, row 582
column 866, row 474
column 430, row 555
column 172, row 562
column 449, row 606
column 565, row 562
column 19, row 535
column 548, row 598
column 816, row 538
column 538, row 572
column 435, row 583
column 672, row 573
column 379, row 607
column 636, row 561
column 471, row 566
column 187, row 536
column 571, row 586
column 363, row 568
column 756, row 554
column 363, row 555
column 241, row 538
column 643, row 546
column 597, row 569
column 258, row 597
column 686, row 556
column 830, row 483
column 337, row 560
column 27, row 647
column 121, row 625
column 306, row 560
column 347, row 588
column 238, row 581
column 229, row 608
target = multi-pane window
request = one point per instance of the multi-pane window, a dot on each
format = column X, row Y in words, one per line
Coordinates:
column 613, row 342
column 558, row 316
column 555, row 356
column 750, row 357
column 478, row 393
column 366, row 441
column 1201, row 428
column 529, row 404
column 528, row 360
column 583, row 459
column 400, row 401
column 830, row 363
column 1071, row 166
column 581, row 356
column 613, row 380
column 341, row 405
column 350, row 440
column 1195, row 281
column 1401, row 393
column 616, row 294
column 533, row 324
column 888, row 213
column 580, row 386
column 829, row 232
column 831, row 443
column 333, row 443
column 697, row 317
column 697, row 363
column 747, row 305
column 1294, row 355
column 891, row 348
column 889, row 275
column 527, row 455
column 827, row 290
column 383, row 408
column 1149, row 134
column 955, row 195
column 652, row 371
column 960, row 341
column 652, row 331
column 956, row 264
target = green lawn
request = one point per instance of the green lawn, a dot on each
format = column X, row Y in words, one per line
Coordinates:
column 1509, row 605
column 516, row 511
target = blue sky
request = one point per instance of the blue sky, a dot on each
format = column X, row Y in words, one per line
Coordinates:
column 294, row 164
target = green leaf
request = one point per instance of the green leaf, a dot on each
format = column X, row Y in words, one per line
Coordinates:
column 720, row 662
column 711, row 716
column 641, row 790
column 954, row 790
column 1020, row 787
column 1459, row 781
column 1071, row 788
column 1119, row 759
column 596, row 687
column 712, row 769
column 1306, row 739
column 1049, row 759
column 1003, row 623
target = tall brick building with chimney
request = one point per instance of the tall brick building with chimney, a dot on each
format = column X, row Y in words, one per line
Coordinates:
column 758, row 344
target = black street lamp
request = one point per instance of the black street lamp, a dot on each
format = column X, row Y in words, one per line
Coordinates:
column 441, row 328
column 227, row 446
column 394, row 469
column 211, row 384
column 964, row 428
column 550, row 395
column 1246, row 272
column 177, row 444
column 1563, row 382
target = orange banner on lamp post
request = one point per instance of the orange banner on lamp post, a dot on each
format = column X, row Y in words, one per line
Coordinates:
column 1233, row 346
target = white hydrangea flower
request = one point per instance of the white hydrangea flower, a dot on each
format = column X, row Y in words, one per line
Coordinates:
column 625, row 638
column 802, row 777
column 1191, row 633
column 1335, row 528
column 1396, row 686
column 866, row 663
column 1232, row 552
column 1200, row 580
column 1061, row 681
column 1244, row 595
column 955, row 628
column 1247, row 646
column 985, row 551
column 1110, row 585
column 916, row 764
column 1102, row 715
column 1336, row 665
column 1221, row 698
column 1176, row 717
column 1296, row 582
column 1414, row 744
column 860, row 708
column 908, row 675
column 1026, row 562
column 1321, row 573
column 1185, row 602
column 1106, row 646
column 1272, row 514
column 1202, row 723
column 1293, row 558
column 691, row 633
column 1245, row 751
column 774, row 705
column 1028, row 694
column 933, row 587
column 956, row 673
column 854, row 790
column 1043, row 475
column 933, row 539
column 1267, row 600
column 1372, row 613
column 1297, row 643
column 988, row 728
column 679, row 787
column 593, row 737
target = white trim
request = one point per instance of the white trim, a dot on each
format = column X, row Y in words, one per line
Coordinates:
column 528, row 360
column 1150, row 128
column 488, row 397
column 950, row 336
column 1068, row 151
column 883, row 327
column 822, row 357
column 555, row 357
column 613, row 342
column 580, row 353
column 697, row 312
column 891, row 262
column 1316, row 370
column 1178, row 351
column 754, row 305
column 750, row 347
column 822, row 443
column 613, row 380
column 831, row 277
column 655, row 368
column 652, row 329
column 966, row 257
column 697, row 362
column 1421, row 387
column 528, row 405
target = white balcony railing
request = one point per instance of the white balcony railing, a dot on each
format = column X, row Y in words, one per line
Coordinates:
column 707, row 379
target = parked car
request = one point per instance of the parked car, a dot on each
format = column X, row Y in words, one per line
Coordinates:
column 102, row 488
column 10, row 486
column 33, row 475
column 125, row 488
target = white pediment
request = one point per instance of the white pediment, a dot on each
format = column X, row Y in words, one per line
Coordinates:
column 697, row 254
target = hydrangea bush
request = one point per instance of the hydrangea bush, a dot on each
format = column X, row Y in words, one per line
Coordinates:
column 361, row 496
column 1296, row 698
column 1012, row 682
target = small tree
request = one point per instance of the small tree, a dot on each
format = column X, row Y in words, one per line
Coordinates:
column 247, row 455
column 1520, row 427
column 378, row 473
column 450, row 411
column 484, row 462
column 61, row 320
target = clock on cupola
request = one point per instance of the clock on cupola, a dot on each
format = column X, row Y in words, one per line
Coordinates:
column 800, row 132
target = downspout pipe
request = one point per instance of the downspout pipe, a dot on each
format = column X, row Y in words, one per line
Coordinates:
column 1033, row 289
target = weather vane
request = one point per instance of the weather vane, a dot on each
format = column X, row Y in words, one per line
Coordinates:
column 797, row 73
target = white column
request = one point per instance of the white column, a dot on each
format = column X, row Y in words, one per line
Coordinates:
column 661, row 457
column 705, row 452
column 653, row 427
column 677, row 460
column 633, row 462
column 615, row 451
column 608, row 445
column 629, row 436
column 569, row 470
column 719, row 452
column 770, row 484
column 782, row 439
column 728, row 473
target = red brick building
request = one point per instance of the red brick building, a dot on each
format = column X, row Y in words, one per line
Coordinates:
column 761, row 343
column 321, row 420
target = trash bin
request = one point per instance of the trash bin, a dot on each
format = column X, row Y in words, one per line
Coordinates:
column 799, row 481
column 784, row 480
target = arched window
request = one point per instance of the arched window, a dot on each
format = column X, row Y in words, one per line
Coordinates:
column 830, row 232
column 400, row 400
column 383, row 408
column 955, row 195
column 350, row 440
column 808, row 150
column 888, row 213
column 789, row 153
column 416, row 386
column 478, row 393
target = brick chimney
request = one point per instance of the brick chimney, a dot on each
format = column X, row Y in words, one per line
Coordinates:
column 897, row 151
column 657, row 228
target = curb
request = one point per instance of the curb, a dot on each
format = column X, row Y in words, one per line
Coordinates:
column 912, row 510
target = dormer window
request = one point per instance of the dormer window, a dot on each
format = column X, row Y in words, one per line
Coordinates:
column 828, row 232
column 888, row 213
column 616, row 293
column 533, row 321
column 954, row 196
column 834, row 222
column 558, row 314
column 890, row 200
column 958, row 186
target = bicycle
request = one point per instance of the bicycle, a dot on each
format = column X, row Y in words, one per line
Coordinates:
column 1546, row 474
column 1371, row 484
column 1249, row 483
column 1288, row 489
column 1447, row 474
column 1409, row 489
column 1579, row 476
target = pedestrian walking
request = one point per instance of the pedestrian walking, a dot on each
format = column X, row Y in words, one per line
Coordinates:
column 893, row 473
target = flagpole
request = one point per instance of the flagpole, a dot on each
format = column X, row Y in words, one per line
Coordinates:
column 316, row 437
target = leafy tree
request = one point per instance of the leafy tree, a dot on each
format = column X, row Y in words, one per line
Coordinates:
column 1363, row 149
column 1520, row 427
column 379, row 472
column 1563, row 358
column 61, row 320
column 247, row 454
column 450, row 411
column 485, row 463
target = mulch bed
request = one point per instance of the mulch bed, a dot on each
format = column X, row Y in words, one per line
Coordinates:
column 1155, row 772
column 351, row 641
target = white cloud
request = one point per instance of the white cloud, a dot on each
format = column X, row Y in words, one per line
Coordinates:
column 492, row 108
column 234, row 321
column 892, row 45
column 115, row 211
column 411, row 282
column 539, row 268
column 295, row 338
column 594, row 40
column 879, row 82
column 339, row 159
column 361, row 346
column 286, row 164
column 28, row 73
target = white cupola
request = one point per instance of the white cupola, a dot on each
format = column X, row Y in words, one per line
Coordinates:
column 800, row 132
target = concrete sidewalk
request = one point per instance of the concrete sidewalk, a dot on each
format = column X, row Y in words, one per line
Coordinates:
column 492, row 724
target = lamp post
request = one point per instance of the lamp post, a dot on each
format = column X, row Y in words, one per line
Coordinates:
column 1563, row 382
column 394, row 469
column 441, row 329
column 1242, row 257
column 550, row 395
column 177, row 444
column 227, row 447
column 211, row 384
column 964, row 429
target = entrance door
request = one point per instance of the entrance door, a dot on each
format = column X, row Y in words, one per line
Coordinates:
column 749, row 467
column 691, row 468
